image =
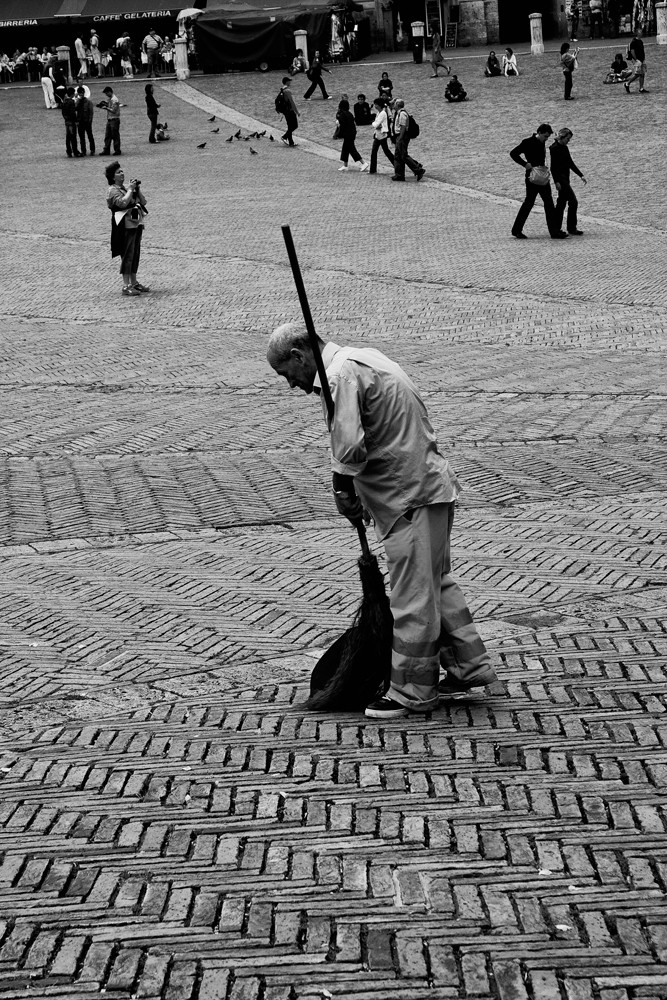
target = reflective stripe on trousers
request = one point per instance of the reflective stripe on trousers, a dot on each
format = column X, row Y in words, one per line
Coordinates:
column 432, row 623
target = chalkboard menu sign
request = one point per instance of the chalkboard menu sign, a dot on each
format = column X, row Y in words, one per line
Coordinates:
column 450, row 35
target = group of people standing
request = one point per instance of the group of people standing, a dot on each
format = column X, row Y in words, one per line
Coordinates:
column 78, row 112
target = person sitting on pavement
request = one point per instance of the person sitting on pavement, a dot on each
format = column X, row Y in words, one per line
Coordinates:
column 362, row 111
column 385, row 87
column 618, row 71
column 454, row 91
column 492, row 66
column 386, row 460
column 298, row 63
column 510, row 67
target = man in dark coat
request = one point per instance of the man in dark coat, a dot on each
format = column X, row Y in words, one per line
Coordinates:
column 561, row 164
column 529, row 154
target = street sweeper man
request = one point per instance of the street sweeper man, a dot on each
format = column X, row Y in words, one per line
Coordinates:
column 385, row 459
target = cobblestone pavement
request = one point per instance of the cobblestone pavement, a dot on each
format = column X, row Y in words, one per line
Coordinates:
column 173, row 825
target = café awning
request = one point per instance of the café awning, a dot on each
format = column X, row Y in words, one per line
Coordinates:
column 19, row 13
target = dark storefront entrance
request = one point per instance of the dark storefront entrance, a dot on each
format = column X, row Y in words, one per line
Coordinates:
column 514, row 19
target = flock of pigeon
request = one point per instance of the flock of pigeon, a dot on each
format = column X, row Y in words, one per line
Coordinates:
column 238, row 135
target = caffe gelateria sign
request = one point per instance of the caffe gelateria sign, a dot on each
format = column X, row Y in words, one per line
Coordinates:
column 136, row 15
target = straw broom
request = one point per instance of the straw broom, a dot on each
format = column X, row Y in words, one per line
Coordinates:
column 355, row 670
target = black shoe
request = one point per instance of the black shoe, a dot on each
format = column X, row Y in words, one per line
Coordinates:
column 519, row 236
column 576, row 232
column 398, row 178
column 627, row 87
column 420, row 174
column 385, row 708
column 455, row 685
column 559, row 236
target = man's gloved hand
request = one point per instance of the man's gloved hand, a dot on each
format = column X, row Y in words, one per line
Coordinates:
column 347, row 501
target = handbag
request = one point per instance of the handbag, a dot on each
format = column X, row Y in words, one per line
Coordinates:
column 539, row 176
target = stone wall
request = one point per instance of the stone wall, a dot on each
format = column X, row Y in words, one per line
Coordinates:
column 472, row 23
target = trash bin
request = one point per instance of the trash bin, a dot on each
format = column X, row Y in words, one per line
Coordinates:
column 417, row 28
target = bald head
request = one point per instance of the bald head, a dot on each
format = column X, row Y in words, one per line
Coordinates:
column 289, row 353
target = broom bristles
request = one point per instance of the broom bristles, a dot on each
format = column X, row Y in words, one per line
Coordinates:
column 356, row 668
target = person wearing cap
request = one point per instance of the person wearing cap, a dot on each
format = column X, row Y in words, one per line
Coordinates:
column 385, row 458
column 531, row 152
column 399, row 131
column 112, row 132
column 561, row 164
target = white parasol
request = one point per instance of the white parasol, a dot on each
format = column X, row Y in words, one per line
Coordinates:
column 189, row 12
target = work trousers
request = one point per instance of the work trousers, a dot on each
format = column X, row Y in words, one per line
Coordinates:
column 402, row 159
column 566, row 196
column 382, row 144
column 112, row 134
column 86, row 129
column 131, row 250
column 432, row 623
column 532, row 191
column 49, row 95
column 70, row 139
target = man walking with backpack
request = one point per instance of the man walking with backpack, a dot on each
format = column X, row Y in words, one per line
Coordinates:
column 404, row 128
column 286, row 106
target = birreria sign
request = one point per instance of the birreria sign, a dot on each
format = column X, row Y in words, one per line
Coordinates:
column 18, row 24
column 134, row 16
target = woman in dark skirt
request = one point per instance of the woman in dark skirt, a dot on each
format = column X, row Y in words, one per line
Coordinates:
column 128, row 211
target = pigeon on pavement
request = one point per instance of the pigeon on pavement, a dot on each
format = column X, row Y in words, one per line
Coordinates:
column 231, row 139
column 201, row 145
column 215, row 130
column 212, row 119
column 253, row 151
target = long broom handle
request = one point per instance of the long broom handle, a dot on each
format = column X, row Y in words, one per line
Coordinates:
column 317, row 354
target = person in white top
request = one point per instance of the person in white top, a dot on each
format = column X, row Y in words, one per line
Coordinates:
column 380, row 134
column 510, row 67
column 385, row 459
column 80, row 50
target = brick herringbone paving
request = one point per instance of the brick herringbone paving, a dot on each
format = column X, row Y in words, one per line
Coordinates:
column 173, row 825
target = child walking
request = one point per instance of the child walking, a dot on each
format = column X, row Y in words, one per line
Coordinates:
column 347, row 131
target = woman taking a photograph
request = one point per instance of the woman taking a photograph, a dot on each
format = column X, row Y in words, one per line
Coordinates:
column 128, row 208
